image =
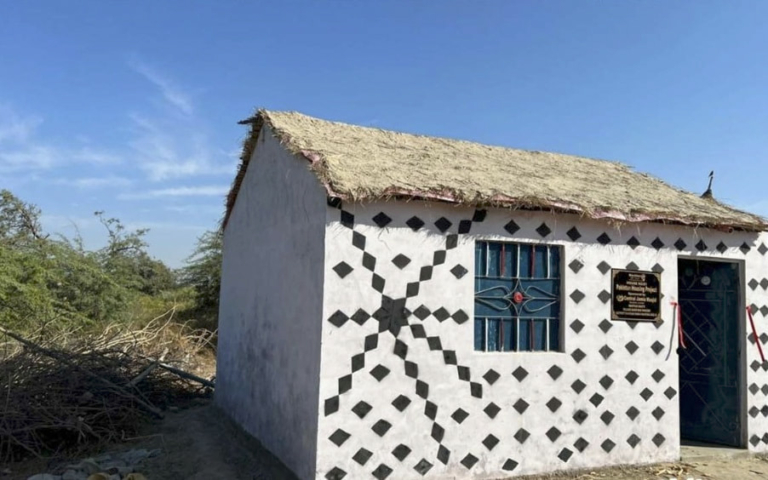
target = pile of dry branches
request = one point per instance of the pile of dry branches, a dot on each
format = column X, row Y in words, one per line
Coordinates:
column 74, row 391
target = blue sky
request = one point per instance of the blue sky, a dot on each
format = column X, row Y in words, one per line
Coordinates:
column 132, row 107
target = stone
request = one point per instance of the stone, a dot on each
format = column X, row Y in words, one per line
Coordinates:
column 74, row 475
column 99, row 476
column 44, row 476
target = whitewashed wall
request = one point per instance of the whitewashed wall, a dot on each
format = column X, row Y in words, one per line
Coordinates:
column 271, row 302
column 367, row 430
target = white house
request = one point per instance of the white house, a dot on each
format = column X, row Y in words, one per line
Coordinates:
column 400, row 306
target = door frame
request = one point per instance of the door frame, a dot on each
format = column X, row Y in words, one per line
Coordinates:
column 742, row 344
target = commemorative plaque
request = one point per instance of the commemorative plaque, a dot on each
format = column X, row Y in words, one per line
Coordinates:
column 635, row 296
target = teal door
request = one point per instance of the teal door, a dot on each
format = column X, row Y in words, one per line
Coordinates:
column 709, row 296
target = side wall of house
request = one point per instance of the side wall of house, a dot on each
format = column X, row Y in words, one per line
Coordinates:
column 415, row 399
column 271, row 305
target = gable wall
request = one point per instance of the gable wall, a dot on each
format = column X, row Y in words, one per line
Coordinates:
column 271, row 303
column 434, row 441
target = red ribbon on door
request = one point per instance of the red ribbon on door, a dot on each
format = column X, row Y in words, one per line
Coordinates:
column 679, row 313
column 754, row 334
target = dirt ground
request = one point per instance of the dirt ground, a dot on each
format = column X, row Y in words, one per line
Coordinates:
column 200, row 443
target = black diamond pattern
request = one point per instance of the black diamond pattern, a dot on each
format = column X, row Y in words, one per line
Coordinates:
column 543, row 230
column 578, row 386
column 657, row 347
column 522, row 435
column 491, row 376
column 604, row 239
column 657, row 244
column 335, row 474
column 573, row 234
column 381, row 219
column 564, row 454
column 553, row 434
column 492, row 410
column 581, row 444
column 745, row 248
column 490, row 441
column 512, row 227
column 339, row 437
column 701, row 246
column 658, row 439
column 596, row 399
column 632, row 413
column 415, row 223
column 401, row 451
column 633, row 242
column 521, row 406
column 646, row 394
column 338, row 318
column 607, row 445
column 680, row 244
column 555, row 372
column 577, row 296
column 469, row 461
column 632, row 377
column 423, row 467
column 577, row 326
column 605, row 325
column 401, row 261
column 509, row 465
column 381, row 427
column 607, row 417
column 553, row 404
column 358, row 240
column 631, row 347
column 459, row 271
column 342, row 269
column 657, row 413
column 633, row 440
column 443, row 224
column 604, row 296
column 382, row 472
column 401, row 402
column 603, row 267
column 362, row 456
column 520, row 373
column 606, row 382
column 361, row 409
column 578, row 355
column 606, row 351
column 575, row 266
column 722, row 247
column 580, row 416
column 459, row 415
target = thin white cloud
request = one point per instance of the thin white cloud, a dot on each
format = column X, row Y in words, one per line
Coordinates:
column 199, row 191
column 171, row 92
column 23, row 151
column 15, row 128
column 195, row 209
column 95, row 182
column 170, row 149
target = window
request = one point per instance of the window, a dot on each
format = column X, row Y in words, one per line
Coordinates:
column 517, row 297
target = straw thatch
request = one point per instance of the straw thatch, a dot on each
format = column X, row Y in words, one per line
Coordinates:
column 362, row 164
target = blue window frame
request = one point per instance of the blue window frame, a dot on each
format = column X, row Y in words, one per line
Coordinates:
column 517, row 297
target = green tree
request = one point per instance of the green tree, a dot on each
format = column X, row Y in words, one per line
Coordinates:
column 203, row 274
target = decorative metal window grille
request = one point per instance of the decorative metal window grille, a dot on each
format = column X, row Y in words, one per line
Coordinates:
column 517, row 297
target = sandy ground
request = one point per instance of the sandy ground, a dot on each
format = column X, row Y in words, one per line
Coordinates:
column 200, row 443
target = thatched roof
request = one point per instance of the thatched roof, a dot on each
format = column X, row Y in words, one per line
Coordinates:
column 361, row 164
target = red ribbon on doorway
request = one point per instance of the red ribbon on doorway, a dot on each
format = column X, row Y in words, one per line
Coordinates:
column 754, row 334
column 680, row 336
